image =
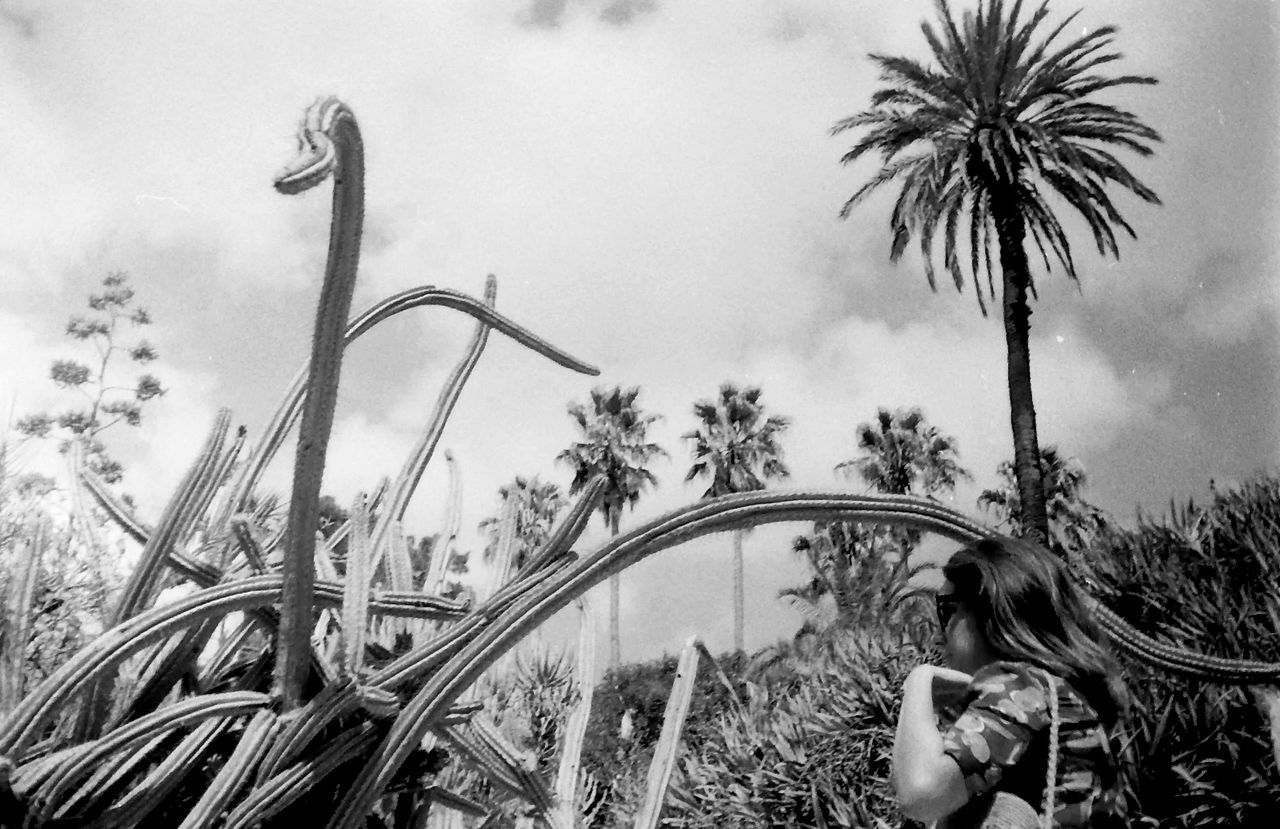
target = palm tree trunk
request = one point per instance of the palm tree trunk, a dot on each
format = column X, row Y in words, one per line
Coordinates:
column 737, row 592
column 615, row 636
column 1017, row 327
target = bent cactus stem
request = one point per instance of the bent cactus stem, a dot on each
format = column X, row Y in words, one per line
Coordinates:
column 538, row 605
column 426, row 296
column 330, row 145
column 407, row 481
column 24, row 723
column 254, row 742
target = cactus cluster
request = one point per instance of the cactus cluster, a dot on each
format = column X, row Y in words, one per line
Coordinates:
column 322, row 697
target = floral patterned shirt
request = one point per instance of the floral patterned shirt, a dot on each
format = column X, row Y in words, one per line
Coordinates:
column 1001, row 742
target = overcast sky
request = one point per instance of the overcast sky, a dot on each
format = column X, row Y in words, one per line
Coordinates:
column 654, row 186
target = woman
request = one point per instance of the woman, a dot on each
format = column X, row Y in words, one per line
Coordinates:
column 1009, row 614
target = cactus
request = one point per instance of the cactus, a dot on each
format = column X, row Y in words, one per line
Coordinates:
column 17, row 611
column 664, row 754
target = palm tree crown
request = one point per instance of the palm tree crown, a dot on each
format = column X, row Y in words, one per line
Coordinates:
column 901, row 449
column 735, row 445
column 537, row 503
column 614, row 442
column 1001, row 122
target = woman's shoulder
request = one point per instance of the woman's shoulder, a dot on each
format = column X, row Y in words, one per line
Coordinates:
column 1002, row 674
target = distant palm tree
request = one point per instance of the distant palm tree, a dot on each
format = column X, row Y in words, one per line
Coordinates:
column 736, row 446
column 981, row 141
column 902, row 449
column 857, row 571
column 614, row 443
column 1073, row 521
column 537, row 503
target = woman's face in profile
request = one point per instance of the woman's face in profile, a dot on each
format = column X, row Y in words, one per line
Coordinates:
column 964, row 646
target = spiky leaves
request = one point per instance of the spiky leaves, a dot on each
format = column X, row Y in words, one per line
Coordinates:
column 982, row 141
column 1002, row 122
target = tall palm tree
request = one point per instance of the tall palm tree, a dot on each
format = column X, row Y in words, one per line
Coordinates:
column 614, row 442
column 736, row 446
column 1005, row 120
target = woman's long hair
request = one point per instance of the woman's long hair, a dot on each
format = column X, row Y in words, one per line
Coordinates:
column 1030, row 612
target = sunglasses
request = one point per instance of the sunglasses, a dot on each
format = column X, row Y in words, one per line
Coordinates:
column 947, row 605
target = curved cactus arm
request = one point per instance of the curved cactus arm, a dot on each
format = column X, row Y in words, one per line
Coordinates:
column 24, row 723
column 173, row 525
column 114, row 507
column 330, row 145
column 478, row 755
column 23, row 578
column 140, row 801
column 411, row 473
column 185, row 713
column 571, row 528
column 287, row 412
column 538, row 604
column 282, row 790
column 414, row 664
column 254, row 743
column 172, row 660
column 664, row 754
column 301, row 727
column 532, row 787
column 575, row 730
column 110, row 775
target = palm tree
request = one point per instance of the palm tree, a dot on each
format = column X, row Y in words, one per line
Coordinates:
column 899, row 453
column 901, row 449
column 1005, row 120
column 736, row 446
column 537, row 503
column 614, row 443
column 1073, row 521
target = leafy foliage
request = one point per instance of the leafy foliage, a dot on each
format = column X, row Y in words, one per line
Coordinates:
column 735, row 445
column 537, row 503
column 102, row 404
column 614, row 442
column 810, row 753
column 901, row 450
column 1073, row 521
column 1198, row 755
column 1005, row 119
column 626, row 721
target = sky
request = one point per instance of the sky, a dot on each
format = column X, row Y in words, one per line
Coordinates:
column 655, row 187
